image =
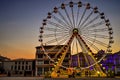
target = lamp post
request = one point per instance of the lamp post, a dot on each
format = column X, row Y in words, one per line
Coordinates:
column 98, row 73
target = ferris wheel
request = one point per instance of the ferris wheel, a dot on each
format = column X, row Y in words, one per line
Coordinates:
column 79, row 28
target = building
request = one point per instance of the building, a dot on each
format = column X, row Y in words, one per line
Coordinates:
column 2, row 59
column 78, row 60
column 43, row 63
column 117, row 63
column 19, row 67
column 111, row 63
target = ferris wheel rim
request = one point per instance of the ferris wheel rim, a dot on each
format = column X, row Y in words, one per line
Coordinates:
column 105, row 20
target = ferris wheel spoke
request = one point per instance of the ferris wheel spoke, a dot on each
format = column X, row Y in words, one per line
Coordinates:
column 68, row 17
column 56, row 25
column 91, row 44
column 51, row 41
column 77, row 15
column 54, row 40
column 55, row 30
column 94, row 25
column 78, row 10
column 98, row 42
column 73, row 17
column 60, row 21
column 52, row 29
column 59, row 53
column 62, row 48
column 63, row 40
column 81, row 18
column 86, row 19
column 96, row 30
column 99, row 36
column 88, row 23
column 61, row 15
column 52, row 35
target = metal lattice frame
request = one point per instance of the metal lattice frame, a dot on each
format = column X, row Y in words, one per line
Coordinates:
column 82, row 22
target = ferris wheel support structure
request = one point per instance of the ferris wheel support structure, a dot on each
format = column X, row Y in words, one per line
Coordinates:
column 78, row 27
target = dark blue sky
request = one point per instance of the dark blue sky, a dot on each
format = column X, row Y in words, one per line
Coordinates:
column 20, row 21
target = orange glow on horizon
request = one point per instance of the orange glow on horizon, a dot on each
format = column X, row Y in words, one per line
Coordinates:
column 29, row 53
column 15, row 53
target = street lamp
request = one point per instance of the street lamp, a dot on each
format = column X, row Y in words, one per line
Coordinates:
column 98, row 73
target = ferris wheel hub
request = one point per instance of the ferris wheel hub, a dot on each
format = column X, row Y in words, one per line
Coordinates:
column 75, row 31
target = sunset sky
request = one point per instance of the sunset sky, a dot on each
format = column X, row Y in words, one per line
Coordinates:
column 20, row 21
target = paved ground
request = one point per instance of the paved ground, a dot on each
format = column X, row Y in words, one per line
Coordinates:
column 40, row 78
column 21, row 78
